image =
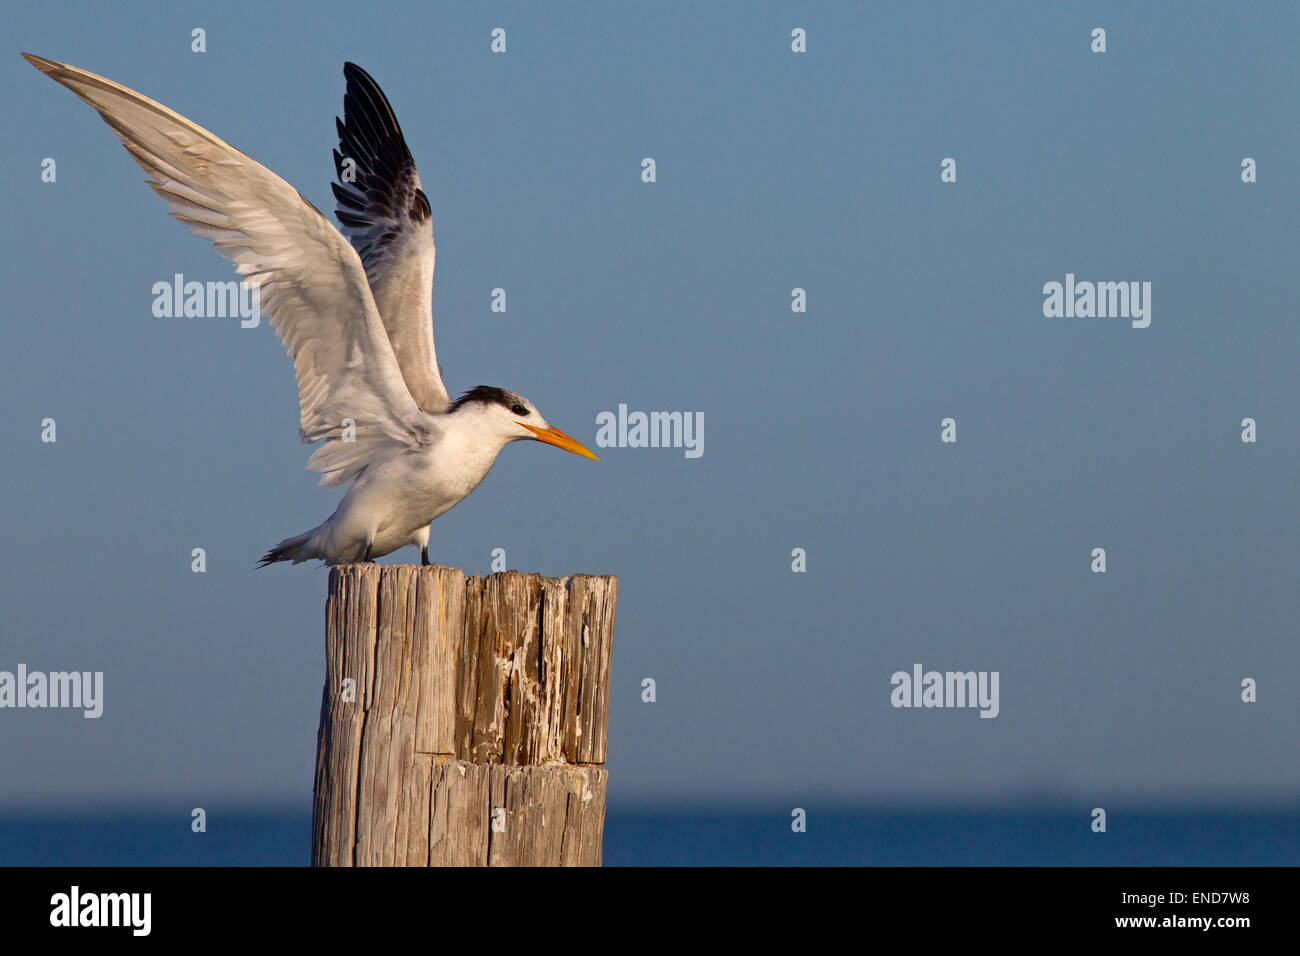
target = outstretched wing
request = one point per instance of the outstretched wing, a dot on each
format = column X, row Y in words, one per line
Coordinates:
column 385, row 214
column 308, row 278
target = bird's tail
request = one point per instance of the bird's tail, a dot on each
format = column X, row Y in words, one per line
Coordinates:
column 293, row 549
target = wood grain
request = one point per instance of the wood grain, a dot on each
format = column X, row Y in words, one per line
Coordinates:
column 463, row 720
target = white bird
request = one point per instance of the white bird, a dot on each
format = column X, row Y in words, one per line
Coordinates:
column 357, row 320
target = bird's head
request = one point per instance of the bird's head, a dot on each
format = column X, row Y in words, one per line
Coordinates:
column 512, row 417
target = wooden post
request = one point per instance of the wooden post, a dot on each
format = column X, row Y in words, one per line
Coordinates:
column 464, row 720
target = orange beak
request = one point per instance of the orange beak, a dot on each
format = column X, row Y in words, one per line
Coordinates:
column 553, row 436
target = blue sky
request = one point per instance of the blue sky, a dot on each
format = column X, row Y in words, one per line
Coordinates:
column 774, row 171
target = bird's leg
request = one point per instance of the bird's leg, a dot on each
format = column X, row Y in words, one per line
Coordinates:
column 367, row 559
column 424, row 555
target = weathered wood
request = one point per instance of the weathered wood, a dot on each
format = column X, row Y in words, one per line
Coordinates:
column 463, row 720
column 501, row 815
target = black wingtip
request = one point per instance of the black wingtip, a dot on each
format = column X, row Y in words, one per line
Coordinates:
column 384, row 185
column 353, row 72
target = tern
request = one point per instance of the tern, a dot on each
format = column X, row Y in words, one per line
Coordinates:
column 355, row 314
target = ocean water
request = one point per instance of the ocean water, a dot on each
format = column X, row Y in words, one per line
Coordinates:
column 840, row 836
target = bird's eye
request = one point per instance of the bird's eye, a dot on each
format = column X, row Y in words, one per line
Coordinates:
column 519, row 410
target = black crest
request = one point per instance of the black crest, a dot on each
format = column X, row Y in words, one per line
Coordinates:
column 488, row 395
